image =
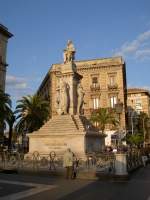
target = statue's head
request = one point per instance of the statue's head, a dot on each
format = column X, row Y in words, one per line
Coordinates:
column 68, row 149
column 70, row 46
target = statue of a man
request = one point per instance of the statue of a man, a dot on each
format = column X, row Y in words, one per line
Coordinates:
column 64, row 98
column 69, row 52
column 80, row 93
column 58, row 101
column 65, row 56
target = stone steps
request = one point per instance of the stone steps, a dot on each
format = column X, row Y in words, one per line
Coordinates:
column 79, row 122
column 56, row 130
column 63, row 123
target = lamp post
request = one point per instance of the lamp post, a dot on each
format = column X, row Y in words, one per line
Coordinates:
column 132, row 122
column 144, row 131
column 119, row 109
column 146, row 128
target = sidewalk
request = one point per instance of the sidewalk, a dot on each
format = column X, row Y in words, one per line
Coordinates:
column 88, row 174
column 136, row 188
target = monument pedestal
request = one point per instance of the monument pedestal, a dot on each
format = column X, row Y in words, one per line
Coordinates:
column 66, row 131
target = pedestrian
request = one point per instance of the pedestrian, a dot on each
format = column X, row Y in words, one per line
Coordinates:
column 68, row 163
column 75, row 167
column 114, row 150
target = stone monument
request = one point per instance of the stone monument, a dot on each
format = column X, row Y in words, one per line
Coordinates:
column 68, row 127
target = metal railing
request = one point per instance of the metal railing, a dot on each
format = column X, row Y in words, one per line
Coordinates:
column 104, row 162
column 52, row 162
column 134, row 160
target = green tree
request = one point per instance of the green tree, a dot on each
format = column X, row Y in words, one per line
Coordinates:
column 32, row 112
column 5, row 110
column 10, row 120
column 103, row 117
column 141, row 130
column 135, row 139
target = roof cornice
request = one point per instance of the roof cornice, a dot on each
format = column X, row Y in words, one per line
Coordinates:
column 4, row 31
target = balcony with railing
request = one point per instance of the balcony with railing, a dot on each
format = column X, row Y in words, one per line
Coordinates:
column 112, row 86
column 95, row 87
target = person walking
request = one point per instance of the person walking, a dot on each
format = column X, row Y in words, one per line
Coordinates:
column 75, row 167
column 68, row 163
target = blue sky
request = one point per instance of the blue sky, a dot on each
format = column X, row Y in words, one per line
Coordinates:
column 98, row 28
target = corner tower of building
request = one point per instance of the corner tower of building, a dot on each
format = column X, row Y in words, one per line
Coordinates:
column 4, row 36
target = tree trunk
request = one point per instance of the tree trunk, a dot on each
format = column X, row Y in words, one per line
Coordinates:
column 10, row 136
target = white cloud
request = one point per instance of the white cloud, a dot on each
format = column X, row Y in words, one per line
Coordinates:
column 18, row 87
column 138, row 48
column 15, row 82
column 144, row 53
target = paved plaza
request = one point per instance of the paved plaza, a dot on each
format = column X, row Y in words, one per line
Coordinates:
column 31, row 187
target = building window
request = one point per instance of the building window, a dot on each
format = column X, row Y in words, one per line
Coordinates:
column 113, row 101
column 138, row 105
column 94, row 80
column 96, row 103
column 95, row 85
column 112, row 80
column 112, row 84
column 96, row 124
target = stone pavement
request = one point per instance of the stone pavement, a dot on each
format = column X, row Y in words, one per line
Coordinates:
column 29, row 187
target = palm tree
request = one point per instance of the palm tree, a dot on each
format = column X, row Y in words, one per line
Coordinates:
column 10, row 120
column 32, row 112
column 104, row 116
column 5, row 110
column 135, row 140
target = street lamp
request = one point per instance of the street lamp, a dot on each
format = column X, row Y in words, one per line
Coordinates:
column 119, row 109
column 143, row 120
column 147, row 121
column 132, row 121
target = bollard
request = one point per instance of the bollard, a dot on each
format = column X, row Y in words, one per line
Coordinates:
column 121, row 164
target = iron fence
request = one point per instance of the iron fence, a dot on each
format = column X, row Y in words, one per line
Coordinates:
column 51, row 162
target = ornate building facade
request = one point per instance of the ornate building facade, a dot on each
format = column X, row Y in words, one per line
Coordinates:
column 4, row 36
column 138, row 100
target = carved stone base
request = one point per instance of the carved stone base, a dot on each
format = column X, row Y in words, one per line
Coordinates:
column 66, row 131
